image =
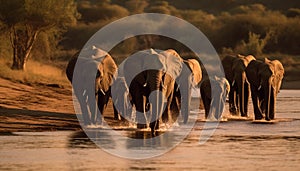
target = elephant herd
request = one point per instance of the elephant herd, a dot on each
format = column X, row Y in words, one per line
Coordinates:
column 245, row 73
column 158, row 85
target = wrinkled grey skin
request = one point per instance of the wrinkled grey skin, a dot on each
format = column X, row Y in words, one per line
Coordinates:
column 234, row 68
column 265, row 80
column 91, row 89
column 213, row 94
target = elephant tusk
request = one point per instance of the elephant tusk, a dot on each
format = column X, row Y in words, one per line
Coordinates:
column 84, row 92
column 259, row 88
column 102, row 92
column 233, row 83
column 162, row 85
column 177, row 88
column 145, row 84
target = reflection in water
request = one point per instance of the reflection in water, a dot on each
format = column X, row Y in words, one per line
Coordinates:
column 131, row 143
column 79, row 139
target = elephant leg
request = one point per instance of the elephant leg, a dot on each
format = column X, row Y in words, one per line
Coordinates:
column 168, row 90
column 185, row 101
column 116, row 113
column 232, row 105
column 241, row 98
column 156, row 105
column 269, row 102
column 175, row 106
column 245, row 99
column 84, row 109
column 206, row 101
column 102, row 103
column 140, row 112
column 167, row 114
column 272, row 106
column 256, row 103
column 92, row 105
column 138, row 99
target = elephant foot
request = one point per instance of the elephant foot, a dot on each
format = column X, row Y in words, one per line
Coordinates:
column 153, row 132
column 154, row 127
column 141, row 126
column 267, row 119
column 233, row 110
column 116, row 118
column 245, row 115
column 258, row 118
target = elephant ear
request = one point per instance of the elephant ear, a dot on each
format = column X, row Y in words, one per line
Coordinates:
column 278, row 67
column 196, row 70
column 173, row 63
column 71, row 66
column 240, row 56
column 109, row 68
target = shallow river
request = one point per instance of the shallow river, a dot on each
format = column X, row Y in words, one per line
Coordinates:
column 235, row 145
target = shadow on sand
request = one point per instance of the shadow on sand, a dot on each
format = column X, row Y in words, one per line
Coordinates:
column 16, row 120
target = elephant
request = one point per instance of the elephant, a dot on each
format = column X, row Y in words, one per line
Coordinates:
column 265, row 81
column 160, row 72
column 234, row 68
column 91, row 90
column 143, row 73
column 214, row 91
column 180, row 75
column 174, row 64
column 121, row 99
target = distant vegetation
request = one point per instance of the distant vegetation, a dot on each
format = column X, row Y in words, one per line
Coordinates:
column 264, row 28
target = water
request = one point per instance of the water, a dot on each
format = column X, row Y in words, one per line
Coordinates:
column 235, row 145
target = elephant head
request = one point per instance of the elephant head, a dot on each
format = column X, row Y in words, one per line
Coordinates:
column 265, row 80
column 234, row 68
column 214, row 91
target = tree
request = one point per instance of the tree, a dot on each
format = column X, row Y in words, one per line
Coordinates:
column 25, row 19
column 136, row 6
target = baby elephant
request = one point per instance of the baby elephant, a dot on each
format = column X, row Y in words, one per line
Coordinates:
column 214, row 91
column 121, row 100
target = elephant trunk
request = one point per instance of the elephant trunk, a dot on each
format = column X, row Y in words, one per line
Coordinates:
column 154, row 79
column 185, row 90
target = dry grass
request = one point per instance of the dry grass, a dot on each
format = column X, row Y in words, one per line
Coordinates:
column 35, row 73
